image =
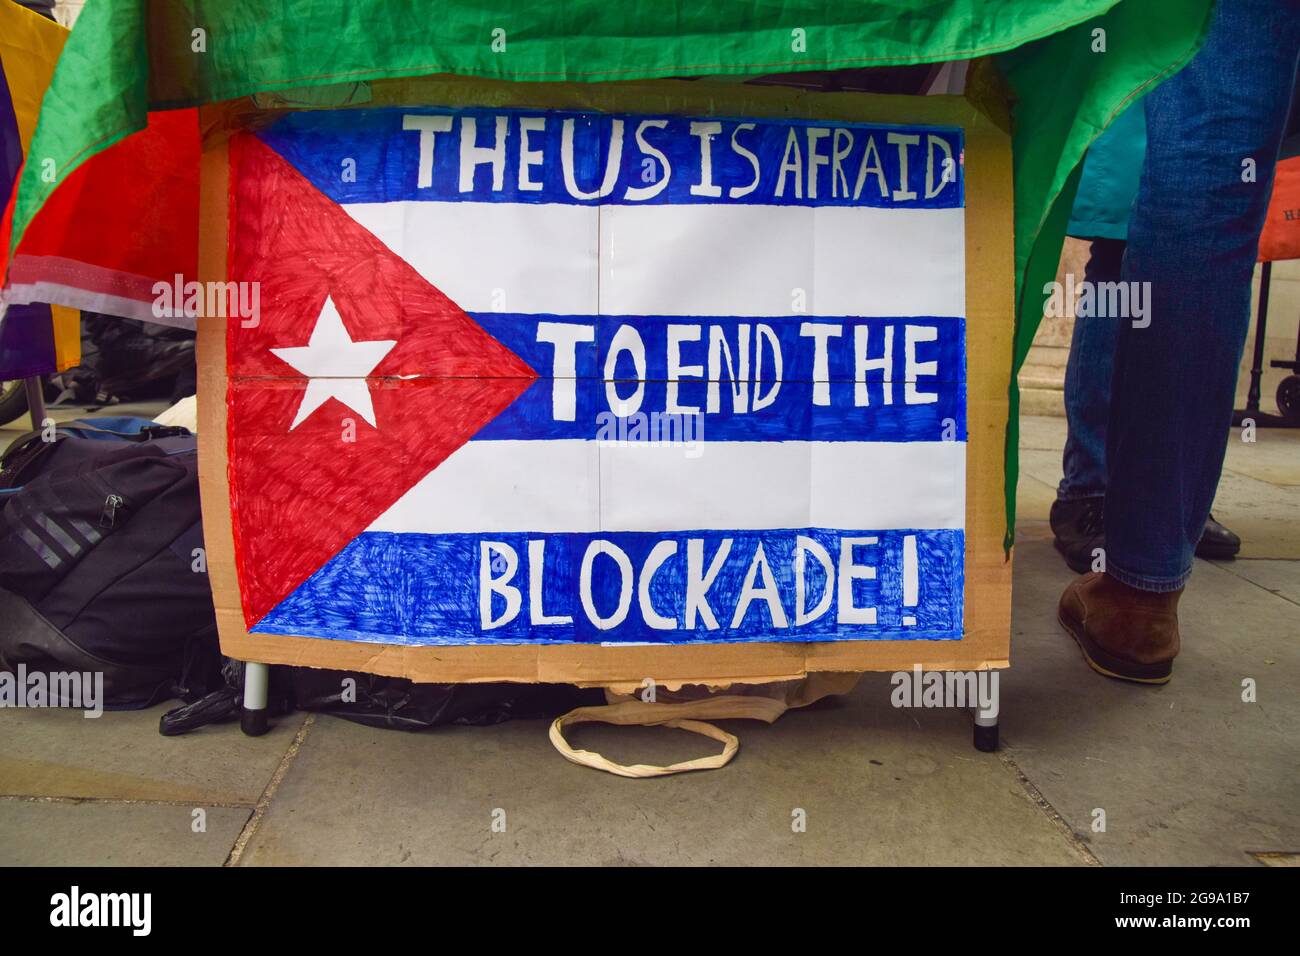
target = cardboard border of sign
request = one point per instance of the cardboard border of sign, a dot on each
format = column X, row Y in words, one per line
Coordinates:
column 989, row 317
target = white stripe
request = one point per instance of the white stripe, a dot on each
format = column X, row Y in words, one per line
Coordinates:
column 703, row 259
column 504, row 486
column 495, row 257
column 582, row 486
column 74, row 297
column 750, row 260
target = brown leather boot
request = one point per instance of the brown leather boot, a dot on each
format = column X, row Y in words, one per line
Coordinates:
column 1123, row 632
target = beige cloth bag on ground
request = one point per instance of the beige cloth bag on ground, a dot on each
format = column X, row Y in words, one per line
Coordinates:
column 687, row 709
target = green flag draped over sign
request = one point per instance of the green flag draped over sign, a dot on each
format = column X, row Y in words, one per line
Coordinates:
column 1071, row 66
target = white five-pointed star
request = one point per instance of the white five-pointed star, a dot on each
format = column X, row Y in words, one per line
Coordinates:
column 335, row 366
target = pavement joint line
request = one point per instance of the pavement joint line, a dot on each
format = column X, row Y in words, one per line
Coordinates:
column 264, row 801
column 1229, row 566
column 1077, row 845
column 127, row 801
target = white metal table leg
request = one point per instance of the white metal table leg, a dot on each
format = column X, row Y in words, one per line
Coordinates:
column 986, row 727
column 986, row 717
column 257, row 680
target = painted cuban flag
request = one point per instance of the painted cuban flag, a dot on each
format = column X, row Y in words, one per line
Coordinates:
column 533, row 376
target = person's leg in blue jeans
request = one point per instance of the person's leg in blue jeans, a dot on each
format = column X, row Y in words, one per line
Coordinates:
column 1076, row 515
column 1087, row 384
column 1213, row 133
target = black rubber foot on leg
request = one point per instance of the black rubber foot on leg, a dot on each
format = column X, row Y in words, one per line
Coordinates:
column 253, row 722
column 986, row 738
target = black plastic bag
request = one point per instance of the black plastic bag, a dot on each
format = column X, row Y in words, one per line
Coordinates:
column 405, row 705
column 393, row 702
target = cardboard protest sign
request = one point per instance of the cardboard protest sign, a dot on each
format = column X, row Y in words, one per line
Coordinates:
column 527, row 379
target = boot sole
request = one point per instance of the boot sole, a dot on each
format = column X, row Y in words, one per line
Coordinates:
column 1112, row 667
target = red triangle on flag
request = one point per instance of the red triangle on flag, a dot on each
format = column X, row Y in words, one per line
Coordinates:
column 299, row 495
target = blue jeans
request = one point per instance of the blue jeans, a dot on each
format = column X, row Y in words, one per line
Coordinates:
column 1087, row 384
column 1194, row 236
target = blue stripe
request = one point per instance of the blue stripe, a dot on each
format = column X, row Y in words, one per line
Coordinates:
column 11, row 146
column 26, row 341
column 795, row 412
column 424, row 589
column 356, row 156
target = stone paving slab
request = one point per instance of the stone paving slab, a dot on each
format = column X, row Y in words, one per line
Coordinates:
column 878, row 785
column 1187, row 773
column 1277, row 577
column 121, row 756
column 66, row 833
